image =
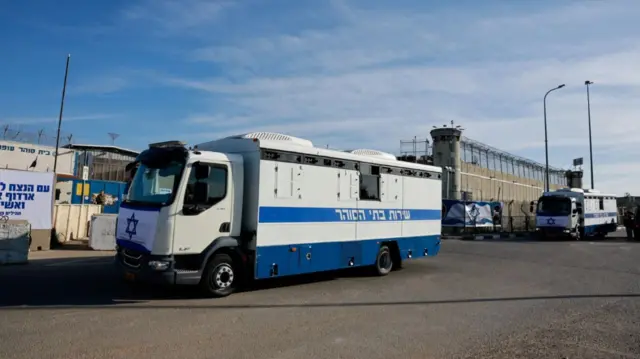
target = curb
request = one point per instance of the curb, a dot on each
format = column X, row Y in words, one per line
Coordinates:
column 501, row 236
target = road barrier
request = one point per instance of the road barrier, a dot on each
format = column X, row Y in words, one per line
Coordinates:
column 71, row 221
column 102, row 234
column 14, row 241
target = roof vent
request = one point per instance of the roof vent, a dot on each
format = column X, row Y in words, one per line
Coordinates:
column 373, row 153
column 272, row 136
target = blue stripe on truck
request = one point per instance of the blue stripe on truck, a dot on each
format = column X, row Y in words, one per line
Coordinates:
column 601, row 215
column 316, row 257
column 333, row 214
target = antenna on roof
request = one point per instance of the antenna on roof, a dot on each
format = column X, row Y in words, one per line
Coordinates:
column 113, row 137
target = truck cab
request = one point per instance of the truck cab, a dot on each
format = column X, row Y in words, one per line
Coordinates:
column 558, row 215
column 175, row 193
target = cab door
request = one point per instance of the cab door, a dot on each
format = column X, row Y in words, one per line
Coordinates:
column 204, row 210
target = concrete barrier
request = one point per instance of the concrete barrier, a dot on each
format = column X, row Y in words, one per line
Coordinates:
column 102, row 235
column 71, row 221
column 14, row 242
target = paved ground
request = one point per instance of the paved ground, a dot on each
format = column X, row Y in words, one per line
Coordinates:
column 476, row 300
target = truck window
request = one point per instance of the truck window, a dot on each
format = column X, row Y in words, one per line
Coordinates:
column 601, row 203
column 217, row 183
column 369, row 182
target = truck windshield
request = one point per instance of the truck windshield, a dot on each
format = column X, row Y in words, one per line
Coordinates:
column 551, row 205
column 155, row 185
column 157, row 176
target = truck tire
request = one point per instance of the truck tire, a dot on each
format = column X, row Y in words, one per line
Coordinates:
column 220, row 277
column 384, row 261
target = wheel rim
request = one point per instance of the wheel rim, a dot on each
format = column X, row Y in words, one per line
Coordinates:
column 384, row 262
column 222, row 276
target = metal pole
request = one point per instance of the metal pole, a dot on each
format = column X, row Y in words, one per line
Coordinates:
column 64, row 90
column 546, row 146
column 546, row 141
column 587, row 83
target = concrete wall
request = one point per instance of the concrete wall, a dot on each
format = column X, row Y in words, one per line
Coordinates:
column 486, row 184
column 19, row 156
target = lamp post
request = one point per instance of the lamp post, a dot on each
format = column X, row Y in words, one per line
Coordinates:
column 587, row 83
column 64, row 90
column 546, row 142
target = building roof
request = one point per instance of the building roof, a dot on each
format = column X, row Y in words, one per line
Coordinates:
column 115, row 149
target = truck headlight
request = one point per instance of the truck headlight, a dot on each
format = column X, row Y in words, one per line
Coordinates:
column 159, row 265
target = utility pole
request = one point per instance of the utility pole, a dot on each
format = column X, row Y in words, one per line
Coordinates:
column 64, row 90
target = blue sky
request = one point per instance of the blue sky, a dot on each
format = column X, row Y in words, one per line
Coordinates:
column 345, row 73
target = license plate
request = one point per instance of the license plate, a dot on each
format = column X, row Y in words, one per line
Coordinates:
column 129, row 276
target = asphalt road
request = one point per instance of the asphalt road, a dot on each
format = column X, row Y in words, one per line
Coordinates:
column 478, row 299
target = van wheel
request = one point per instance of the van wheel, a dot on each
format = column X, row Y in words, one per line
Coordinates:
column 384, row 261
column 220, row 277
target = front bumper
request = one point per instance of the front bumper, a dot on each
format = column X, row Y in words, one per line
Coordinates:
column 554, row 232
column 134, row 266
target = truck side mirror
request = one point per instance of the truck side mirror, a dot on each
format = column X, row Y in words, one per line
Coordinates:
column 531, row 208
column 201, row 192
column 202, row 170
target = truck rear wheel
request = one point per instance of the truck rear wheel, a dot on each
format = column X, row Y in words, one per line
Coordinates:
column 384, row 261
column 220, row 277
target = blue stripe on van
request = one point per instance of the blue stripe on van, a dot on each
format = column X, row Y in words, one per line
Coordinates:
column 601, row 215
column 305, row 258
column 332, row 214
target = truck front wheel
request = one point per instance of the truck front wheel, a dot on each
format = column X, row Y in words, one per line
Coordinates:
column 384, row 261
column 220, row 278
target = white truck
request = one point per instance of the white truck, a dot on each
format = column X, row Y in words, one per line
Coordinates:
column 264, row 205
column 576, row 213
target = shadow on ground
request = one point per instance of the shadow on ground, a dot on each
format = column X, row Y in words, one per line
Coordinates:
column 91, row 283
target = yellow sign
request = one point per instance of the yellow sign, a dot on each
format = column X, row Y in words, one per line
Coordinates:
column 79, row 189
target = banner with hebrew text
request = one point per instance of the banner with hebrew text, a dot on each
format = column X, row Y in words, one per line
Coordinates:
column 27, row 195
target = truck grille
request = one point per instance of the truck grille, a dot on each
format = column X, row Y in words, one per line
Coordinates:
column 131, row 258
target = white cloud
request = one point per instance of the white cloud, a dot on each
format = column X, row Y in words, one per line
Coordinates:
column 381, row 75
column 100, row 85
column 175, row 15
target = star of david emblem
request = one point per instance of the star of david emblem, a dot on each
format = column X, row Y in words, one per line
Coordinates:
column 131, row 231
column 551, row 221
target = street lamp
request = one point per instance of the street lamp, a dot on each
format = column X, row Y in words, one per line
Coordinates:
column 546, row 142
column 587, row 83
